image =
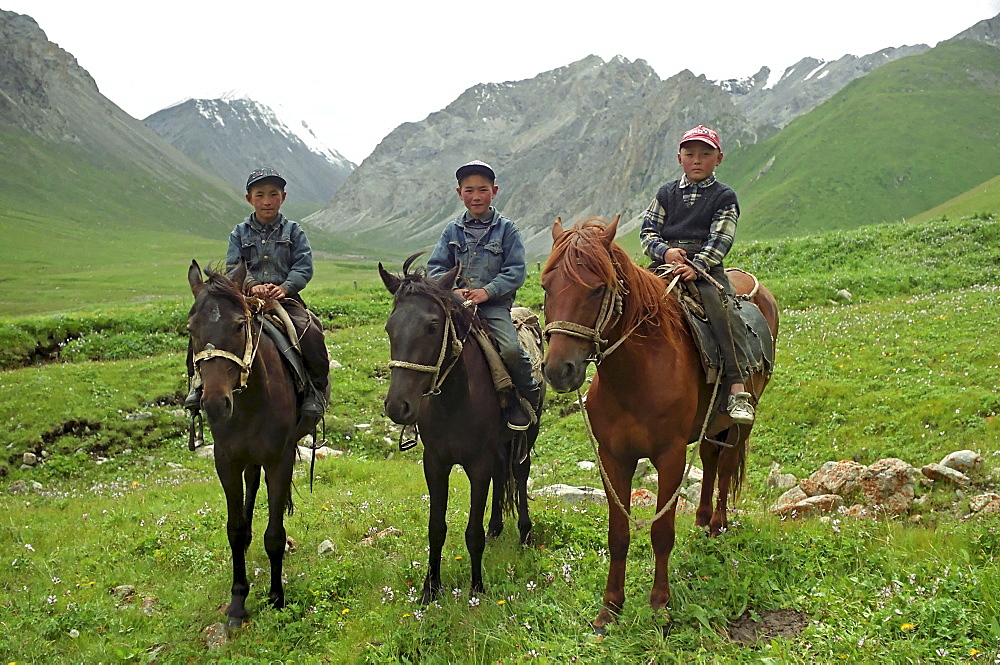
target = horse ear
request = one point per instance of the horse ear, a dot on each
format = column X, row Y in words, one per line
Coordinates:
column 391, row 281
column 194, row 278
column 609, row 232
column 239, row 275
column 447, row 280
column 557, row 229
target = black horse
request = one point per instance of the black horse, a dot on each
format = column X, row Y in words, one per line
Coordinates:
column 441, row 381
column 251, row 403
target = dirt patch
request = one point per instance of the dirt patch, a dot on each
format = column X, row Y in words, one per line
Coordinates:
column 779, row 623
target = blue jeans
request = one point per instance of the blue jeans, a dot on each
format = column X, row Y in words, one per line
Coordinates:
column 515, row 359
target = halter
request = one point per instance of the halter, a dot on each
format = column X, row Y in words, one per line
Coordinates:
column 610, row 312
column 448, row 340
column 244, row 363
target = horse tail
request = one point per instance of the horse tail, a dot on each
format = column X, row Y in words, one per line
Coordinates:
column 289, row 505
column 508, row 492
column 741, row 467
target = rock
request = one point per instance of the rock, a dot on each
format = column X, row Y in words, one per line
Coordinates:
column 939, row 472
column 148, row 606
column 693, row 493
column 573, row 494
column 124, row 593
column 370, row 540
column 290, row 545
column 323, row 452
column 205, row 452
column 18, row 487
column 216, row 636
column 982, row 503
column 642, row 468
column 326, row 547
column 842, row 478
column 138, row 415
column 782, row 481
column 792, row 496
column 586, row 465
column 811, row 505
column 888, row 485
column 643, row 497
column 29, row 459
column 844, row 294
column 964, row 461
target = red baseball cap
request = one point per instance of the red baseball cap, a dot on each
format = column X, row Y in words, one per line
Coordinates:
column 703, row 134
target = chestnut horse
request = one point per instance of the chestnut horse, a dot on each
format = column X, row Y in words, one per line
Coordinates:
column 649, row 396
column 249, row 397
column 440, row 380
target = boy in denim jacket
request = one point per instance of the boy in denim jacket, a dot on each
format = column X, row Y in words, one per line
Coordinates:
column 492, row 255
column 694, row 219
column 279, row 265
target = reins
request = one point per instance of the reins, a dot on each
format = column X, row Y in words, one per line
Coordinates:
column 244, row 363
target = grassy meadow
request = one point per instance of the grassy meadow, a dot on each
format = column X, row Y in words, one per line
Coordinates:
column 905, row 366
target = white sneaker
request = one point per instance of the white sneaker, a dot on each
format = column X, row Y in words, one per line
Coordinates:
column 740, row 409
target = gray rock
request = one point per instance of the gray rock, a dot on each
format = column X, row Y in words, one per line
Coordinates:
column 964, row 461
column 29, row 459
column 573, row 494
column 326, row 547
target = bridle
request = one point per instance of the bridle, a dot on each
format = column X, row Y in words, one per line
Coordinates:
column 449, row 341
column 244, row 363
column 607, row 316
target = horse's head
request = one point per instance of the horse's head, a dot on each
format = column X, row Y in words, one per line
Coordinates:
column 421, row 337
column 218, row 325
column 580, row 281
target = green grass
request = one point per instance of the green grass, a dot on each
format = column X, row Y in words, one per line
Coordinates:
column 906, row 368
column 876, row 152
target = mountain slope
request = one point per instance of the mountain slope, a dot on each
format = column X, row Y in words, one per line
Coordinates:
column 899, row 141
column 233, row 135
column 576, row 141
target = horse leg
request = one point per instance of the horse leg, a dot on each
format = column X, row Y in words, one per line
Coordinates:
column 619, row 535
column 475, row 535
column 279, row 485
column 709, row 453
column 729, row 466
column 670, row 468
column 251, row 477
column 436, row 474
column 238, row 531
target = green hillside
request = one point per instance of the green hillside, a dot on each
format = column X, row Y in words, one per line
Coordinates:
column 982, row 198
column 893, row 144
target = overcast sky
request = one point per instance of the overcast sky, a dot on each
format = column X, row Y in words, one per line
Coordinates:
column 357, row 69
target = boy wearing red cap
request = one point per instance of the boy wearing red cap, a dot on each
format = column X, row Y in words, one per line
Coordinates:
column 692, row 220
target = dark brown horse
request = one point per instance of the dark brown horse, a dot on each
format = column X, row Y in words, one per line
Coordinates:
column 250, row 400
column 649, row 397
column 440, row 380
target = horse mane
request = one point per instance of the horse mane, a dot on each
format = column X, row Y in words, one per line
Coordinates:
column 221, row 285
column 417, row 283
column 644, row 302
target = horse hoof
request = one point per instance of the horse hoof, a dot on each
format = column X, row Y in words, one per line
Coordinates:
column 665, row 629
column 599, row 630
column 233, row 624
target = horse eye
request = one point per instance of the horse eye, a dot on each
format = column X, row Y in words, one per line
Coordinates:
column 599, row 291
column 432, row 327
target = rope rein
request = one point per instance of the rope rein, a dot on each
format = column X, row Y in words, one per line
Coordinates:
column 449, row 339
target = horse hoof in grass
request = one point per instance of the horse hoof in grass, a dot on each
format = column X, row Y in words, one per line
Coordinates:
column 599, row 630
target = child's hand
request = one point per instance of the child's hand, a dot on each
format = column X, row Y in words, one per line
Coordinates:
column 685, row 271
column 477, row 296
column 674, row 255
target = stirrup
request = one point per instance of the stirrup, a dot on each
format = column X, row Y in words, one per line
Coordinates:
column 408, row 437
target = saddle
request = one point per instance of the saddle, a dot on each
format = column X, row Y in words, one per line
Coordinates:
column 759, row 355
column 529, row 335
column 279, row 327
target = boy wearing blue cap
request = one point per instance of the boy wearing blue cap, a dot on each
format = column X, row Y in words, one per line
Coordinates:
column 692, row 220
column 490, row 249
column 279, row 265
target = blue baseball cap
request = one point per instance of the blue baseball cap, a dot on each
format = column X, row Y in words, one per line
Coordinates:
column 265, row 173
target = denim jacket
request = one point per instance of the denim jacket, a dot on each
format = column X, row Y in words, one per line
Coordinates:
column 275, row 253
column 496, row 263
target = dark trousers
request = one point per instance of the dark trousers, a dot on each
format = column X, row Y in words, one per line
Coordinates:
column 730, row 332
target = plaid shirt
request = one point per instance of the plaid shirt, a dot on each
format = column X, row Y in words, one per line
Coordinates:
column 720, row 235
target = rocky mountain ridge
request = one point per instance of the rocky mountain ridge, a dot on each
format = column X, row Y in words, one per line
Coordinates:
column 233, row 134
